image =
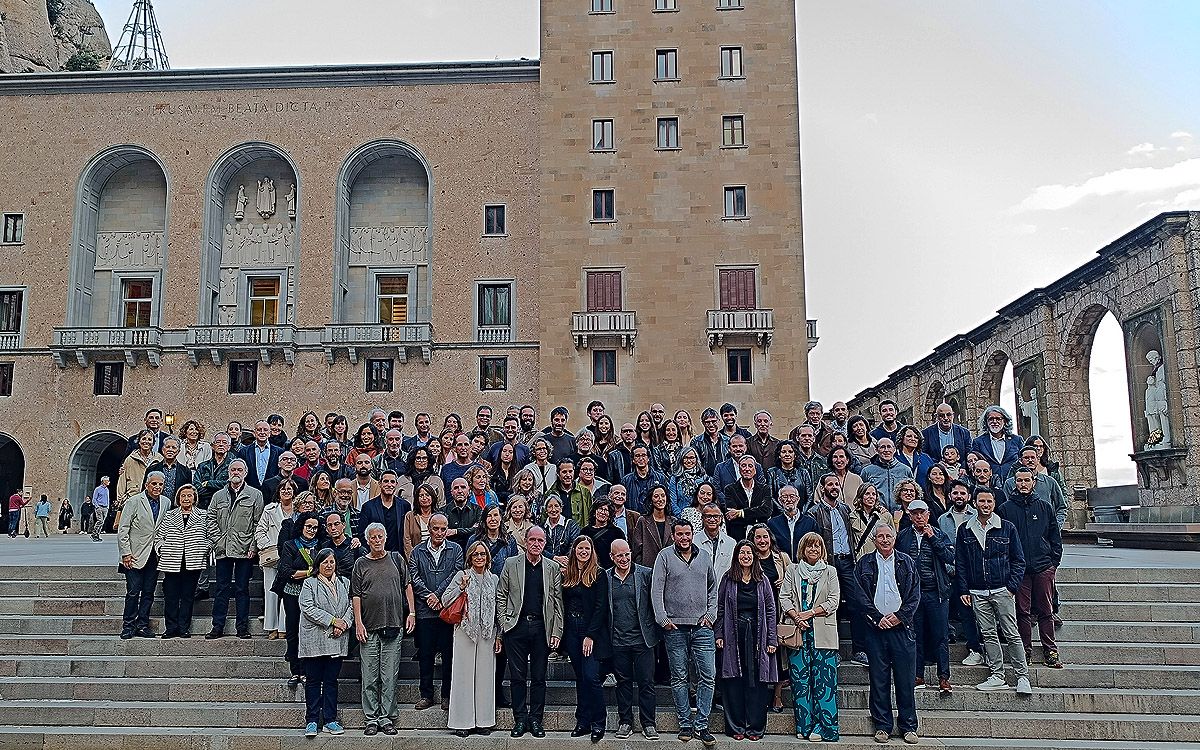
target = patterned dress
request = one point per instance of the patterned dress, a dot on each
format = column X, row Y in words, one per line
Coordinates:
column 814, row 682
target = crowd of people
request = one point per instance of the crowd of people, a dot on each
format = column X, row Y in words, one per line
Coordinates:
column 717, row 558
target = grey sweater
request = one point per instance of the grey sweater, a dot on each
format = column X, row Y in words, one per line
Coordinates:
column 683, row 593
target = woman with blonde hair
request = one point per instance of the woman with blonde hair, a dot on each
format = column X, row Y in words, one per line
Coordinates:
column 182, row 548
column 867, row 514
column 517, row 520
column 476, row 643
column 585, row 635
column 809, row 599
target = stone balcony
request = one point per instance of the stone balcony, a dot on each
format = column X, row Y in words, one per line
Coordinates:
column 493, row 334
column 10, row 341
column 215, row 342
column 813, row 338
column 621, row 325
column 758, row 325
column 355, row 337
column 82, row 344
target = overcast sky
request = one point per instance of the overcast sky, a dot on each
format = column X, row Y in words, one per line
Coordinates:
column 955, row 154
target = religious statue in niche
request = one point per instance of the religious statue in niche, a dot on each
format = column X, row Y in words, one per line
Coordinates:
column 240, row 212
column 1030, row 397
column 1158, row 417
column 266, row 198
column 291, row 201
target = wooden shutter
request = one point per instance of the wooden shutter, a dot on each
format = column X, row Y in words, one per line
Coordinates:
column 604, row 291
column 737, row 289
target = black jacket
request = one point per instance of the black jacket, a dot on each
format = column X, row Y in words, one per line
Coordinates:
column 866, row 576
column 758, row 508
column 1037, row 528
column 585, row 615
column 943, row 550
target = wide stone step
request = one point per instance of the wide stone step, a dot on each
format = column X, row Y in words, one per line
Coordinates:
column 1137, row 612
column 83, row 589
column 111, row 606
column 1128, row 576
column 1113, row 592
column 1091, row 631
column 102, row 625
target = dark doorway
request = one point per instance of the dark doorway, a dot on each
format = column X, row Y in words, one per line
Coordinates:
column 12, row 471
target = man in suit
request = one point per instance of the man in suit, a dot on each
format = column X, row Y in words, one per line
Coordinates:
column 729, row 471
column 154, row 420
column 789, row 527
column 944, row 432
column 747, row 500
column 888, row 591
column 996, row 442
column 261, row 456
column 140, row 518
column 529, row 605
column 634, row 637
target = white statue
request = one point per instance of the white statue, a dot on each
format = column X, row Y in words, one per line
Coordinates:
column 1158, row 418
column 291, row 201
column 266, row 198
column 1029, row 410
column 242, row 200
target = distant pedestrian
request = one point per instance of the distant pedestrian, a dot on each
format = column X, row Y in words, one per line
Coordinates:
column 100, row 499
column 16, row 503
column 65, row 514
column 41, row 515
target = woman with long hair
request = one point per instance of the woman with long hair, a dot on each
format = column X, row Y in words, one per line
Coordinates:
column 517, row 520
column 774, row 564
column 937, row 491
column 504, row 472
column 585, row 634
column 182, row 547
column 670, row 448
column 193, row 449
column 787, row 473
column 416, row 521
column 860, row 443
column 747, row 639
column 809, row 598
column 683, row 421
column 602, row 532
column 561, row 531
column 490, row 533
column 682, row 483
column 653, row 531
column 365, row 440
column 324, row 641
column 309, row 428
column 706, row 492
column 476, row 643
column 421, row 470
column 867, row 514
column 452, row 422
column 606, row 437
column 447, row 446
column 321, row 488
column 479, row 487
column 525, row 485
column 435, row 451
column 1045, row 465
column 297, row 559
column 907, row 490
column 840, row 462
column 909, row 452
column 340, row 431
column 644, row 427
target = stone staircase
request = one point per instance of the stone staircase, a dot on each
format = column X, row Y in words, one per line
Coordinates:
column 1130, row 642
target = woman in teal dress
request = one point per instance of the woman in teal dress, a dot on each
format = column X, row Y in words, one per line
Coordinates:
column 809, row 598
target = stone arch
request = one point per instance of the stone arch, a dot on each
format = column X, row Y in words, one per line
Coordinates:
column 270, row 243
column 1076, row 446
column 12, row 470
column 990, row 378
column 382, row 231
column 137, row 243
column 99, row 454
column 935, row 395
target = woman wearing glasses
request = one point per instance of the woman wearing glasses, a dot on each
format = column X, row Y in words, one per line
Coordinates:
column 476, row 643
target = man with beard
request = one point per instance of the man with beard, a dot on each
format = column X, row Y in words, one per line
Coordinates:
column 996, row 442
column 889, row 426
column 959, row 512
column 833, row 523
column 529, row 430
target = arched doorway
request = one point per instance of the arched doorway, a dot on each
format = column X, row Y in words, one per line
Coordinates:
column 97, row 455
column 1108, row 389
column 1083, row 372
column 12, row 471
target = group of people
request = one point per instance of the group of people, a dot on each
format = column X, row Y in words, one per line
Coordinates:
column 722, row 558
column 29, row 519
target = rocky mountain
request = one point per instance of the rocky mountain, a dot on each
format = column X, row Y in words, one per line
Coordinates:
column 42, row 35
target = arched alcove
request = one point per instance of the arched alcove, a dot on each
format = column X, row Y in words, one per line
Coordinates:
column 934, row 396
column 384, row 236
column 97, row 455
column 119, row 241
column 12, row 471
column 1108, row 391
column 1079, row 460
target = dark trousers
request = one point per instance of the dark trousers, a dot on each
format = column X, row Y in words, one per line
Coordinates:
column 179, row 594
column 14, row 522
column 139, row 595
column 968, row 628
column 635, row 665
column 527, row 655
column 590, row 710
column 321, row 688
column 858, row 626
column 1035, row 600
column 291, row 616
column 233, row 576
column 434, row 636
column 932, row 624
column 745, row 697
column 893, row 656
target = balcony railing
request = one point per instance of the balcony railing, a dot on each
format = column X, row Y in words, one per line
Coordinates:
column 353, row 337
column 79, row 344
column 813, row 338
column 10, row 341
column 218, row 341
column 759, row 324
column 493, row 334
column 621, row 324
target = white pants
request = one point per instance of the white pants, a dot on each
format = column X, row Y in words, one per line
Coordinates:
column 271, row 617
column 472, row 683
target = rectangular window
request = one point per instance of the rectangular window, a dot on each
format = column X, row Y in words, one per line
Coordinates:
column 602, row 135
column 264, row 300
column 6, row 378
column 668, row 132
column 737, row 289
column 379, row 375
column 10, row 310
column 137, row 301
column 603, row 291
column 110, row 379
column 735, row 202
column 728, row 4
column 602, row 6
column 731, row 62
column 739, row 365
column 604, row 205
column 243, row 376
column 495, row 304
column 666, row 5
column 733, row 130
column 14, row 229
column 604, row 367
column 602, row 67
column 493, row 373
column 392, row 295
column 666, row 66
column 493, row 220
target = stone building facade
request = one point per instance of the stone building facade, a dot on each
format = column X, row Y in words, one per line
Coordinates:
column 231, row 243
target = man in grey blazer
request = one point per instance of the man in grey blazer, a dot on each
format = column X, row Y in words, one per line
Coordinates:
column 635, row 635
column 140, row 518
column 531, row 618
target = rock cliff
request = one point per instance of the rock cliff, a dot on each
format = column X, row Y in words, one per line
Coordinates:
column 41, row 35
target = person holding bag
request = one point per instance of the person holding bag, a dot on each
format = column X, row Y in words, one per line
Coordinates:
column 469, row 603
column 295, row 565
column 808, row 603
column 324, row 641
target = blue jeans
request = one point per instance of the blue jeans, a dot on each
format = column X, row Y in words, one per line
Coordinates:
column 893, row 659
column 932, row 624
column 695, row 646
column 14, row 522
column 232, row 573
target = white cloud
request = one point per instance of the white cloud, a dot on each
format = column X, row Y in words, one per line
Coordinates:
column 1142, row 149
column 1025, row 229
column 1184, row 175
column 1187, row 199
column 1182, row 135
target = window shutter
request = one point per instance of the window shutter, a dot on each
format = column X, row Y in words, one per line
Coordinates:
column 737, row 289
column 604, row 291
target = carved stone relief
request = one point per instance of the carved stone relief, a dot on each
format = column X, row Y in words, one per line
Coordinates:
column 388, row 246
column 266, row 198
column 291, row 202
column 239, row 213
column 262, row 245
column 129, row 250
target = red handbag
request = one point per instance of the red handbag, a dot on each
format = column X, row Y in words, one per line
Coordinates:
column 453, row 614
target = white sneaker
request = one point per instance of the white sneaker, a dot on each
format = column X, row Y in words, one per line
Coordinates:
column 1023, row 686
column 610, row 681
column 974, row 659
column 994, row 683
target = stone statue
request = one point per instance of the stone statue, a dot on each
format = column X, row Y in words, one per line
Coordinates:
column 1158, row 417
column 1029, row 410
column 266, row 198
column 242, row 200
column 291, row 201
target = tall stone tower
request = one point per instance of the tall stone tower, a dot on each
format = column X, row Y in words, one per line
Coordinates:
column 672, row 263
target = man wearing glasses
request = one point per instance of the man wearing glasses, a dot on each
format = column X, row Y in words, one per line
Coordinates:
column 712, row 444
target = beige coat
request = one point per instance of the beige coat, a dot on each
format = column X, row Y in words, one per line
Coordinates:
column 825, row 632
column 510, row 595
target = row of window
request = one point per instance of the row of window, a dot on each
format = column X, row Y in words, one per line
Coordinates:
column 733, row 133
column 666, row 65
column 604, row 203
column 606, row 6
